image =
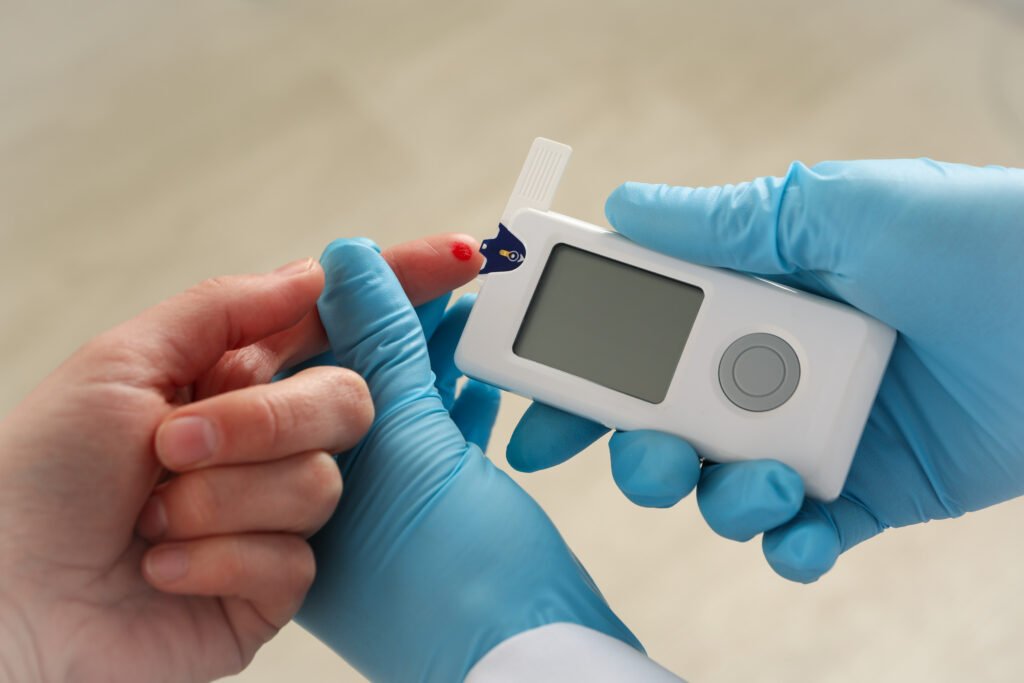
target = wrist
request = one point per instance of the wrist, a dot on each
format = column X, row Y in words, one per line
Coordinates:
column 560, row 652
column 484, row 565
column 528, row 577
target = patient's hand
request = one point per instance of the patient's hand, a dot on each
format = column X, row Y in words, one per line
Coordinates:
column 156, row 493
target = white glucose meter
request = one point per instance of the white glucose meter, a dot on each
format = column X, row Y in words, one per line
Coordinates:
column 582, row 319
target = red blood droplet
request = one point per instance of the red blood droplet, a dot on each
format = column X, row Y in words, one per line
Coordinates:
column 462, row 251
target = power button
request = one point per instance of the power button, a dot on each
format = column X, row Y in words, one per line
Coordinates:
column 759, row 372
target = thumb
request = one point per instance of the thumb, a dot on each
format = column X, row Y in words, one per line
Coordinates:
column 371, row 325
column 763, row 226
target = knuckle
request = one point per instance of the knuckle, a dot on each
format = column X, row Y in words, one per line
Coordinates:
column 98, row 346
column 109, row 349
column 244, row 367
column 277, row 417
column 206, row 290
column 211, row 285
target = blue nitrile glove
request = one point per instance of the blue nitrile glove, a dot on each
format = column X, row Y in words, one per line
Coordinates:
column 434, row 556
column 936, row 251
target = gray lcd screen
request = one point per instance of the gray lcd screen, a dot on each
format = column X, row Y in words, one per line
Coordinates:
column 611, row 323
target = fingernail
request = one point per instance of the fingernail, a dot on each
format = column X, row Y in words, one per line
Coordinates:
column 186, row 441
column 295, row 267
column 167, row 564
column 152, row 520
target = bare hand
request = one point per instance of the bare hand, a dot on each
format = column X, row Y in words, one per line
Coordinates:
column 156, row 492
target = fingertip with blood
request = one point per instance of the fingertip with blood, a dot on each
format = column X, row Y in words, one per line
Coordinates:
column 462, row 251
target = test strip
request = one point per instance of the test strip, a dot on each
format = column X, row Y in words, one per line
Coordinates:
column 538, row 181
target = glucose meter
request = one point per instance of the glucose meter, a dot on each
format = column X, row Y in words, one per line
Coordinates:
column 582, row 319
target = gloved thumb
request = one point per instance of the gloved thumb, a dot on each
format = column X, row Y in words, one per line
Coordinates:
column 371, row 325
column 763, row 226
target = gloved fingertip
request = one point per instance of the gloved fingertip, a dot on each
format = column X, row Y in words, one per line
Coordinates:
column 646, row 501
column 547, row 436
column 366, row 242
column 743, row 499
column 458, row 314
column 802, row 550
column 466, row 300
column 520, row 457
column 786, row 486
column 481, row 393
column 653, row 469
column 341, row 250
column 625, row 199
column 475, row 412
column 614, row 201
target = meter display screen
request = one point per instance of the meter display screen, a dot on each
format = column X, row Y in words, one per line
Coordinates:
column 608, row 322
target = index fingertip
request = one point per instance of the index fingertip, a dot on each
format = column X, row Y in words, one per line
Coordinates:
column 465, row 251
column 431, row 266
column 463, row 248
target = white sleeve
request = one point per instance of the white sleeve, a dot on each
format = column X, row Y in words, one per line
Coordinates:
column 566, row 653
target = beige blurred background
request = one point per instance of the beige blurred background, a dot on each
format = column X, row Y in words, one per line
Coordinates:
column 145, row 145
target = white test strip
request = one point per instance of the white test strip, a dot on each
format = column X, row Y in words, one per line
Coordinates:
column 538, row 181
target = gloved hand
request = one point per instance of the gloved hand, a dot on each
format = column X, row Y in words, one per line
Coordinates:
column 434, row 556
column 934, row 250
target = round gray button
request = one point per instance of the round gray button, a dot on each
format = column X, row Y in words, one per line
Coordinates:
column 759, row 372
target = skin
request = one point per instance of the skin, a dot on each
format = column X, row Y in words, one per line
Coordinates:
column 156, row 493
